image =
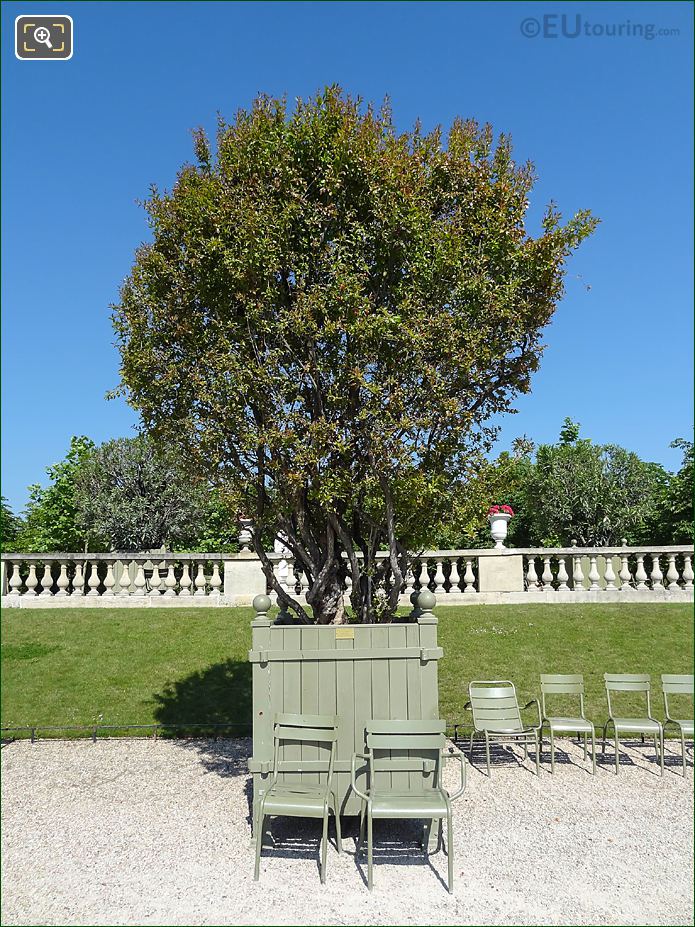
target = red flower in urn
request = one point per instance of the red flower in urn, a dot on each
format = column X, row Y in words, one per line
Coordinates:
column 500, row 510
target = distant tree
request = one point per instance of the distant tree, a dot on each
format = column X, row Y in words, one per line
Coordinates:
column 10, row 526
column 675, row 517
column 52, row 518
column 137, row 496
column 329, row 313
column 594, row 494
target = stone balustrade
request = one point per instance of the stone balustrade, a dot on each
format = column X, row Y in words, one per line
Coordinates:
column 477, row 576
column 134, row 580
column 609, row 569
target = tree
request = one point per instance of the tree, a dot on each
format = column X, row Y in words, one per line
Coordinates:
column 52, row 521
column 675, row 517
column 10, row 525
column 137, row 496
column 592, row 493
column 327, row 316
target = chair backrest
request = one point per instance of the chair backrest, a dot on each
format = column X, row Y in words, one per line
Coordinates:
column 673, row 684
column 405, row 755
column 305, row 734
column 628, row 682
column 494, row 705
column 562, row 684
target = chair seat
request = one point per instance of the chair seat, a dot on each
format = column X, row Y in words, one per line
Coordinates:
column 430, row 804
column 685, row 724
column 637, row 725
column 300, row 801
column 508, row 732
column 580, row 725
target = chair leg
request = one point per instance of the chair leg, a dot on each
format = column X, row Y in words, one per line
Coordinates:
column 426, row 831
column 324, row 845
column 487, row 753
column 470, row 747
column 370, row 851
column 538, row 755
column 593, row 750
column 617, row 755
column 683, row 751
column 605, row 731
column 363, row 822
column 525, row 750
column 552, row 752
column 338, row 830
column 585, row 748
column 450, row 850
column 260, row 819
column 661, row 738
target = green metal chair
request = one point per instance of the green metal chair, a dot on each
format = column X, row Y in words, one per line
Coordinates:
column 678, row 685
column 299, row 800
column 496, row 715
column 645, row 725
column 411, row 752
column 564, row 684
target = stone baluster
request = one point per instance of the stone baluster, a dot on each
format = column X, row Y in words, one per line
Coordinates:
column 672, row 574
column 609, row 573
column 92, row 580
column 577, row 571
column 641, row 573
column 656, row 575
column 170, row 581
column 109, row 579
column 594, row 575
column 200, row 581
column 687, row 571
column 531, row 575
column 15, row 583
column 408, row 582
column 78, row 579
column 32, row 581
column 348, row 584
column 454, row 578
column 215, row 579
column 303, row 583
column 124, row 580
column 185, row 581
column 439, row 577
column 63, row 582
column 469, row 576
column 47, row 579
column 562, row 576
column 158, row 580
column 625, row 575
column 139, row 580
column 424, row 577
column 547, row 576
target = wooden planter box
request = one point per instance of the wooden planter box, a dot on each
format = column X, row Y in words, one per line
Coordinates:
column 357, row 672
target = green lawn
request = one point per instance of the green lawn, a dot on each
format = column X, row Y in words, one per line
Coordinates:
column 118, row 666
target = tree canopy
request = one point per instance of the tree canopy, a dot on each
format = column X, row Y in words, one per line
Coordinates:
column 327, row 316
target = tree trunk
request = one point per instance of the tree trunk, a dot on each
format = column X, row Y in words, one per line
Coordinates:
column 328, row 606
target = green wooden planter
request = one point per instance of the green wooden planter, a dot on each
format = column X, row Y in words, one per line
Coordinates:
column 357, row 672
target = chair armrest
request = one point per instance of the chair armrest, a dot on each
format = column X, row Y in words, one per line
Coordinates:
column 453, row 754
column 353, row 775
column 534, row 701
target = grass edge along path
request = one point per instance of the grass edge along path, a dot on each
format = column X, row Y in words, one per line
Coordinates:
column 187, row 665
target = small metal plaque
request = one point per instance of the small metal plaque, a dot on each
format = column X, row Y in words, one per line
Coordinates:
column 345, row 634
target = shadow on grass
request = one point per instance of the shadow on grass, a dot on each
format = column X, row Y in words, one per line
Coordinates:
column 214, row 702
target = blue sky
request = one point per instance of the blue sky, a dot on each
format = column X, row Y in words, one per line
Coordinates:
column 607, row 121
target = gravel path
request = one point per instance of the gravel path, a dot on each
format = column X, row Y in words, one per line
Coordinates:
column 136, row 832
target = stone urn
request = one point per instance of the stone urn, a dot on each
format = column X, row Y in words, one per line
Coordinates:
column 499, row 524
column 245, row 535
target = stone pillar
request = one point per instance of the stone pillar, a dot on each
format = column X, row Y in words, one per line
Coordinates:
column 3, row 577
column 243, row 578
column 501, row 572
